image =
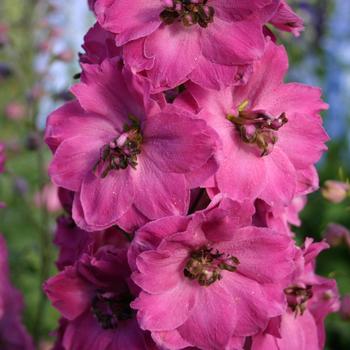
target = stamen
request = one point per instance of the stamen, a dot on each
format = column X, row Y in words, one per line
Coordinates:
column 189, row 12
column 205, row 266
column 257, row 127
column 120, row 152
column 297, row 298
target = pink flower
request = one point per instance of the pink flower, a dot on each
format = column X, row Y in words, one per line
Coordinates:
column 286, row 19
column 310, row 299
column 94, row 297
column 13, row 334
column 99, row 45
column 48, row 198
column 209, row 42
column 265, row 127
column 15, row 111
column 336, row 191
column 127, row 161
column 210, row 279
column 336, row 234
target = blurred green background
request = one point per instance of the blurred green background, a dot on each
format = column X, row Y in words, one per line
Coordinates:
column 39, row 43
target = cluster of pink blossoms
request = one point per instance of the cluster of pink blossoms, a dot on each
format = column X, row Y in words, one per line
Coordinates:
column 182, row 163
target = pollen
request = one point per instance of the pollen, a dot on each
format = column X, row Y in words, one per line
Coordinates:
column 206, row 267
column 188, row 12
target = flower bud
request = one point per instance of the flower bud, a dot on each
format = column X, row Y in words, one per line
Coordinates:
column 15, row 111
column 336, row 235
column 345, row 307
column 65, row 56
column 335, row 191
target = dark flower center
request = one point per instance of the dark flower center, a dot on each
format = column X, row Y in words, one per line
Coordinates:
column 205, row 266
column 110, row 309
column 257, row 127
column 297, row 298
column 188, row 12
column 120, row 152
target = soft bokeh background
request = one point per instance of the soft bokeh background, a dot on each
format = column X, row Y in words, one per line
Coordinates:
column 39, row 43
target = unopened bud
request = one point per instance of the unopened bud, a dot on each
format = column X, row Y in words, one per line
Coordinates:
column 336, row 235
column 335, row 191
column 345, row 307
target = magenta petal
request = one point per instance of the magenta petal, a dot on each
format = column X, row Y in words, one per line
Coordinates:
column 129, row 19
column 281, row 176
column 236, row 43
column 154, row 309
column 264, row 342
column 104, row 200
column 56, row 126
column 185, row 144
column 264, row 255
column 164, row 267
column 242, row 174
column 176, row 51
column 170, row 340
column 69, row 293
column 218, row 76
column 105, row 91
column 212, row 321
column 267, row 78
column 307, row 180
column 159, row 194
column 132, row 219
column 286, row 19
column 251, row 302
column 90, row 338
column 74, row 158
column 150, row 235
column 221, row 223
column 298, row 332
column 133, row 53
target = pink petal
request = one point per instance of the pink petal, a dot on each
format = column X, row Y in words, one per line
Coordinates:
column 213, row 319
column 176, row 51
column 74, row 158
column 133, row 53
column 178, row 143
column 266, row 80
column 159, row 194
column 150, row 235
column 130, row 20
column 234, row 43
column 281, row 176
column 154, row 310
column 243, row 173
column 307, row 180
column 251, row 303
column 170, row 340
column 264, row 255
column 164, row 268
column 104, row 200
column 218, row 76
column 287, row 20
column 69, row 293
column 104, row 91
